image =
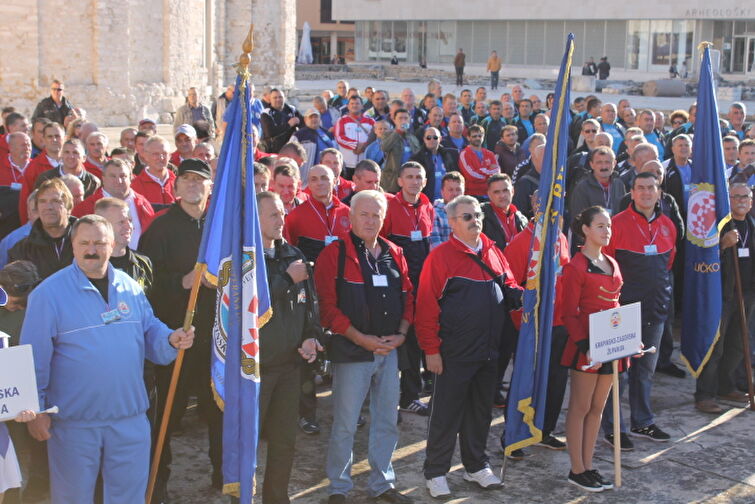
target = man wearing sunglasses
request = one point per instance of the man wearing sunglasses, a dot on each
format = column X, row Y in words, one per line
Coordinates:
column 465, row 288
column 56, row 106
column 437, row 161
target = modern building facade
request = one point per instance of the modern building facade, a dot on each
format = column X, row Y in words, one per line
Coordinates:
column 331, row 40
column 643, row 35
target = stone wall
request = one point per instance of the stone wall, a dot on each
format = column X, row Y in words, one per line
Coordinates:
column 123, row 61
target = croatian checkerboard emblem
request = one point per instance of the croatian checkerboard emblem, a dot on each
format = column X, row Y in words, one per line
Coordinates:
column 701, row 216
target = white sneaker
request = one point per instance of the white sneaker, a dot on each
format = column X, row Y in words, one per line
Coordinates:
column 438, row 487
column 484, row 477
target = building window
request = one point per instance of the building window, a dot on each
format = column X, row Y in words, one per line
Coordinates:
column 326, row 11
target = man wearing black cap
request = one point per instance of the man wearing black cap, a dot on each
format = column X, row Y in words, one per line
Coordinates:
column 172, row 244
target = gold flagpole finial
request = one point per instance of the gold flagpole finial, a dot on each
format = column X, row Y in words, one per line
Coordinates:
column 703, row 45
column 246, row 47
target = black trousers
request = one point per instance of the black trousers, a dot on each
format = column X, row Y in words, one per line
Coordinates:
column 461, row 406
column 459, row 76
column 494, row 80
column 308, row 392
column 507, row 350
column 194, row 378
column 557, row 378
column 411, row 379
column 667, row 339
column 279, row 400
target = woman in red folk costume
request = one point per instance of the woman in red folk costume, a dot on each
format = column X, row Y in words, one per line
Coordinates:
column 592, row 283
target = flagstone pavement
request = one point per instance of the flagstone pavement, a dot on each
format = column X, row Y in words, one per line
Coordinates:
column 711, row 459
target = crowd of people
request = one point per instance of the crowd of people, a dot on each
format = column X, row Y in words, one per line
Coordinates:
column 396, row 235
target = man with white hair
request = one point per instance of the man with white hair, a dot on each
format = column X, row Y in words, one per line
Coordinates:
column 96, row 147
column 368, row 305
column 156, row 181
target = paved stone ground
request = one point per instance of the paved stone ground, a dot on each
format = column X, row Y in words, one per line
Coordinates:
column 710, row 459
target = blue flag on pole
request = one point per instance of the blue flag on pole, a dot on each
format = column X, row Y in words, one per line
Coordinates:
column 529, row 382
column 707, row 212
column 231, row 250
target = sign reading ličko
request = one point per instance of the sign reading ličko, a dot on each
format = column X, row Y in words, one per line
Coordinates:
column 615, row 333
column 18, row 384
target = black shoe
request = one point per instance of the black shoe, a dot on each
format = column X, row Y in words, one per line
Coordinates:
column 651, row 432
column 392, row 495
column 626, row 443
column 337, row 499
column 585, row 481
column 500, row 398
column 552, row 443
column 361, row 421
column 517, row 455
column 417, row 407
column 606, row 484
column 309, row 426
column 671, row 370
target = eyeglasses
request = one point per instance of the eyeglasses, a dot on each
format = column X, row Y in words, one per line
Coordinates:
column 590, row 131
column 466, row 217
column 58, row 89
column 740, row 196
column 431, row 138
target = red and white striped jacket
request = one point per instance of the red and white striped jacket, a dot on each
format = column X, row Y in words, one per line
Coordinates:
column 351, row 131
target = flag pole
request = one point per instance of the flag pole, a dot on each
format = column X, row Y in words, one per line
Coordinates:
column 199, row 270
column 616, row 425
column 743, row 328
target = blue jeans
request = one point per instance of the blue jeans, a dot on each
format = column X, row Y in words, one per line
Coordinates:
column 351, row 383
column 640, row 381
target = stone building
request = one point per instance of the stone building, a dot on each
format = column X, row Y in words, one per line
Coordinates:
column 123, row 61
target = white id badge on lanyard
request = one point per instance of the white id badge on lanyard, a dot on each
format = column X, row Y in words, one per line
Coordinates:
column 330, row 239
column 379, row 281
column 743, row 252
column 651, row 250
column 416, row 235
column 15, row 186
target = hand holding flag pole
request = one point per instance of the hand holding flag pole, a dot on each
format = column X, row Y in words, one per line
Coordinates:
column 199, row 270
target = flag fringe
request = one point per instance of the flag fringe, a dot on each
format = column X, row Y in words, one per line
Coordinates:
column 524, row 406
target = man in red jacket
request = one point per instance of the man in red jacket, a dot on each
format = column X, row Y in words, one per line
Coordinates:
column 408, row 224
column 320, row 220
column 116, row 183
column 644, row 244
column 366, row 301
column 477, row 164
column 156, row 181
column 465, row 288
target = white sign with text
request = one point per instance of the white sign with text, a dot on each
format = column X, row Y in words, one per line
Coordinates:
column 615, row 333
column 18, row 384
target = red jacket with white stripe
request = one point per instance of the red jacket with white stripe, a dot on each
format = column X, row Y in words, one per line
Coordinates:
column 308, row 225
column 476, row 172
column 350, row 132
column 401, row 219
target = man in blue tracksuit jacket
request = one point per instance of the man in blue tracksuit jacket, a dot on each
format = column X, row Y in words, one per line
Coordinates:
column 91, row 328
